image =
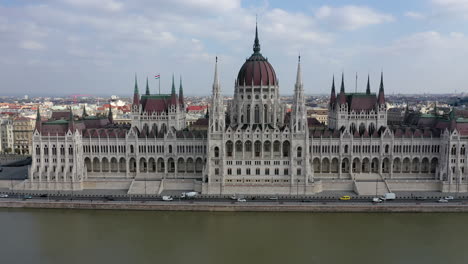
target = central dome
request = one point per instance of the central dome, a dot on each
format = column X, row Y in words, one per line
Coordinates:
column 256, row 70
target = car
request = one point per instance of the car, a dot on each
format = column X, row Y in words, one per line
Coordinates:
column 273, row 198
column 448, row 198
column 421, row 198
column 167, row 198
column 27, row 197
column 376, row 200
column 345, row 198
column 242, row 200
column 43, row 195
column 233, row 197
column 3, row 195
column 442, row 200
column 110, row 198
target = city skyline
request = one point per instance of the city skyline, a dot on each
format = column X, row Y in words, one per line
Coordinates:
column 71, row 46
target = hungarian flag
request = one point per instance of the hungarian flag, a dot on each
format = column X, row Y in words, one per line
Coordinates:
column 157, row 76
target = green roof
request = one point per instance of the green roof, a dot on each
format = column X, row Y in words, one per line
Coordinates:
column 360, row 94
column 56, row 122
column 156, row 96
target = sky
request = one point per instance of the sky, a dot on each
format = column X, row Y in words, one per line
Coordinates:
column 95, row 47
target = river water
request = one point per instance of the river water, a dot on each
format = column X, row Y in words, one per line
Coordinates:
column 85, row 236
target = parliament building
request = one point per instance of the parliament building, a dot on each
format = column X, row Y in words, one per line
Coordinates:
column 252, row 144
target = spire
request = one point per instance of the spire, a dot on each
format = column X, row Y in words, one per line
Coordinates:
column 147, row 87
column 84, row 112
column 381, row 98
column 181, row 92
column 109, row 115
column 333, row 93
column 135, row 91
column 173, row 93
column 216, row 79
column 71, row 122
column 299, row 72
column 342, row 96
column 342, row 83
column 173, row 85
column 256, row 46
column 136, row 95
column 368, row 85
column 38, row 120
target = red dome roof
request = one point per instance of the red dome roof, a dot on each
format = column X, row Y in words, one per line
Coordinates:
column 256, row 69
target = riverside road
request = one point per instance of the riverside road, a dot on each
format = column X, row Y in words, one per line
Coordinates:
column 407, row 200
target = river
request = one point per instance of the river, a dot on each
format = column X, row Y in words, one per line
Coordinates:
column 83, row 236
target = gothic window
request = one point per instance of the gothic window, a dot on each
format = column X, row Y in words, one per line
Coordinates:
column 387, row 148
column 257, row 114
column 462, row 150
column 267, row 146
column 299, row 152
column 132, row 150
column 454, row 150
column 248, row 146
column 286, row 149
column 238, row 146
column 258, row 148
column 362, row 128
column 276, row 146
column 216, row 152
column 265, row 113
column 352, row 128
column 248, row 113
column 229, row 148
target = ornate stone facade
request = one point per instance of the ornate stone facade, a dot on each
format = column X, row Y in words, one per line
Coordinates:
column 254, row 147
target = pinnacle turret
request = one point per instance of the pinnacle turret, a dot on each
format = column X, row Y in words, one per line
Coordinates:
column 147, row 87
column 368, row 85
column 181, row 93
column 333, row 93
column 381, row 97
column 256, row 46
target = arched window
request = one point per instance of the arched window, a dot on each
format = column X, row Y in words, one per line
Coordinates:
column 362, row 128
column 267, row 146
column 238, row 146
column 265, row 113
column 257, row 114
column 258, row 148
column 229, row 148
column 248, row 146
column 248, row 113
column 170, row 148
column 346, row 149
column 462, row 150
column 387, row 147
column 132, row 150
column 216, row 152
column 299, row 152
column 454, row 150
column 286, row 148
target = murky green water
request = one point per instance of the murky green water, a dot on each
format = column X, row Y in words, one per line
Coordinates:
column 72, row 236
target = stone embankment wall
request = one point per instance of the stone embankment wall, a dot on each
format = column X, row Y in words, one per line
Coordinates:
column 235, row 207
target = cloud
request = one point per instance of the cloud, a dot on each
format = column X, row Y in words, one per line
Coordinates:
column 457, row 8
column 351, row 17
column 31, row 45
column 414, row 15
column 105, row 5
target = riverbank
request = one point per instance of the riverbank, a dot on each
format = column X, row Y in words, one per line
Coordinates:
column 454, row 207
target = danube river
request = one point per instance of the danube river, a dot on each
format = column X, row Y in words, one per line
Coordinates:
column 83, row 236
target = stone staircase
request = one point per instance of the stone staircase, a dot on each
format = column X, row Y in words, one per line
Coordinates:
column 366, row 187
column 138, row 187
